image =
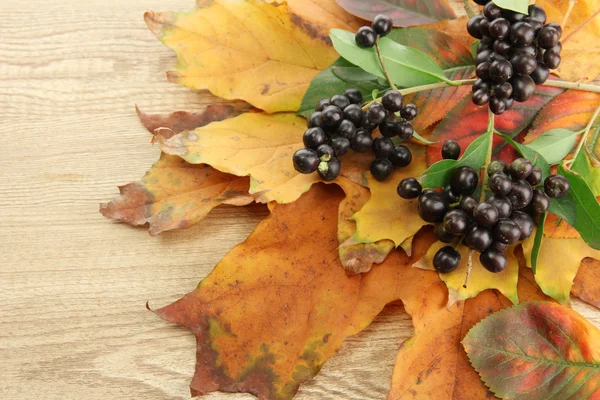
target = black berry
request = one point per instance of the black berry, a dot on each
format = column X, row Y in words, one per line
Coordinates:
column 314, row 137
column 497, row 167
column 535, row 176
column 520, row 194
column 520, row 168
column 500, row 184
column 315, row 120
column 322, row 104
column 383, row 146
column 409, row 188
column 400, row 156
column 523, row 87
column 330, row 170
column 325, row 152
column 478, row 238
column 306, row 161
column 493, row 260
column 506, row 231
column 376, row 113
column 486, row 214
column 409, row 112
column 443, row 235
column 354, row 95
column 365, row 37
column 556, row 186
column 362, row 142
column 332, row 117
column 468, row 204
column 525, row 223
column 381, row 168
column 392, row 101
column 464, row 180
column 502, row 203
column 548, row 37
column 354, row 113
column 382, row 24
column 450, row 150
column 432, row 207
column 340, row 146
column 340, row 101
column 540, row 202
column 446, row 260
column 346, row 129
column 456, row 222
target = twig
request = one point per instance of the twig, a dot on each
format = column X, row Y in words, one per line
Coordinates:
column 385, row 72
column 586, row 133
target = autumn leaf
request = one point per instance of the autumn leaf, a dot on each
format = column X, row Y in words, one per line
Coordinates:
column 260, row 146
column 403, row 12
column 402, row 221
column 586, row 285
column 279, row 305
column 262, row 53
column 557, row 264
column 357, row 257
column 176, row 195
column 479, row 279
column 580, row 45
column 433, row 364
column 466, row 122
column 537, row 351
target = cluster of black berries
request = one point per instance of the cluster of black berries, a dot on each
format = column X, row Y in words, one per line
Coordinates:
column 340, row 124
column 489, row 227
column 366, row 36
column 516, row 52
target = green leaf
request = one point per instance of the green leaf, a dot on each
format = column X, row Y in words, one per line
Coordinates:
column 340, row 76
column 406, row 66
column 474, row 47
column 529, row 153
column 587, row 221
column 537, row 350
column 537, row 241
column 590, row 174
column 520, row 6
column 555, row 144
column 474, row 156
column 564, row 208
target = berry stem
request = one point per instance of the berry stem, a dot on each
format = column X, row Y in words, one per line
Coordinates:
column 573, row 85
column 586, row 133
column 385, row 72
column 469, row 9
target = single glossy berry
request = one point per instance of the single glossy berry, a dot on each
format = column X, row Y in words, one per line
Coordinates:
column 480, row 84
column 381, row 168
column 522, row 34
column 483, row 56
column 497, row 105
column 523, row 87
column 557, row 49
column 499, row 246
column 478, row 238
column 523, row 63
column 354, row 95
column 468, row 204
column 450, row 150
column 306, row 161
column 483, row 71
column 332, row 117
column 509, row 103
column 401, row 156
column 383, row 146
column 502, row 47
column 340, row 101
column 406, row 130
column 556, row 26
column 409, row 112
column 365, row 37
column 443, row 235
column 392, row 101
column 330, row 170
column 484, row 27
column 535, row 177
column 499, row 28
column 500, row 71
column 432, row 207
column 346, row 130
column 341, row 145
column 325, row 152
column 497, row 167
column 530, row 49
column 540, row 75
column 535, row 24
column 493, row 260
column 503, row 91
column 456, row 222
column 446, row 260
column 315, row 120
column 464, row 180
column 481, row 97
column 502, row 204
column 548, row 37
column 492, row 11
column 390, row 127
column 314, row 137
column 506, row 231
column 354, row 114
column 556, row 186
column 322, row 104
column 513, row 16
column 525, row 223
column 520, row 194
column 520, row 168
column 552, row 59
column 536, row 12
column 486, row 214
column 500, row 184
column 362, row 142
column 376, row 113
column 540, row 202
column 382, row 24
column 473, row 27
column 409, row 188
column 449, row 195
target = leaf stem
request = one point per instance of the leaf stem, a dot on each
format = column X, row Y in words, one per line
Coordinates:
column 385, row 71
column 586, row 133
column 573, row 85
column 469, row 8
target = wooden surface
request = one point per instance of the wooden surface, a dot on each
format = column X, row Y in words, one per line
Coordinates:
column 73, row 286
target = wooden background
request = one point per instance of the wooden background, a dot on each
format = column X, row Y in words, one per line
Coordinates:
column 73, row 286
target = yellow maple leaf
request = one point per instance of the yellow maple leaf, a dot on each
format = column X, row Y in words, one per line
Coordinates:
column 265, row 54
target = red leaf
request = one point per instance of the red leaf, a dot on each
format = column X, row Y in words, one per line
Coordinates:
column 403, row 12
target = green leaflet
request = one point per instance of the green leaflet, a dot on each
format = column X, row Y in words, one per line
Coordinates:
column 555, row 144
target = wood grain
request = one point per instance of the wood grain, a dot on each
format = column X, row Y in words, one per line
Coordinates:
column 73, row 286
